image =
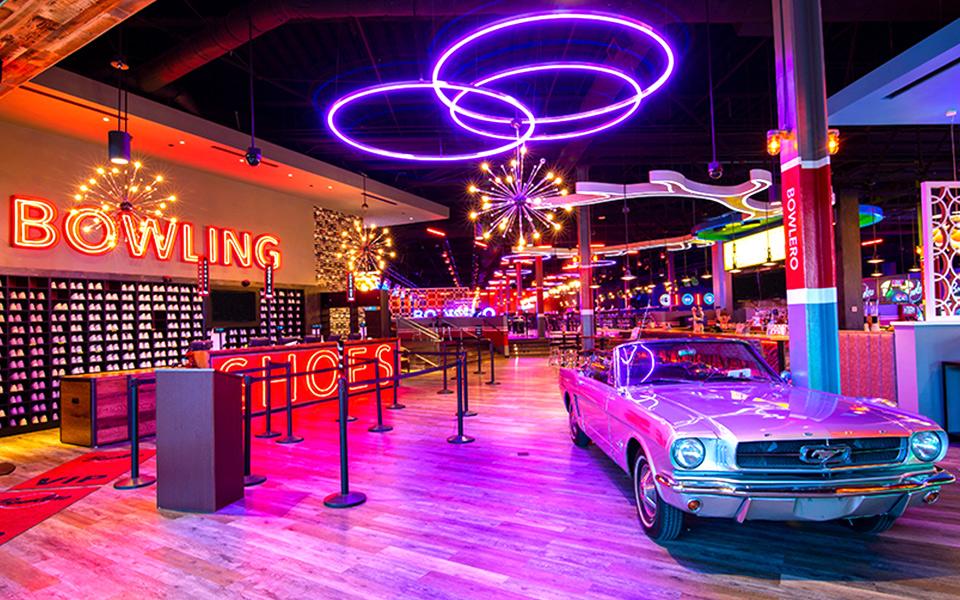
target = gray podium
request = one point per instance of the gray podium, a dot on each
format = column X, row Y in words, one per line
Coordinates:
column 199, row 440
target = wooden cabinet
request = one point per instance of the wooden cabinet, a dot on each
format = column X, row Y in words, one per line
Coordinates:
column 93, row 408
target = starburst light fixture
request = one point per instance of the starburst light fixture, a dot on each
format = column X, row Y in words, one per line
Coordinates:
column 510, row 201
column 119, row 190
column 366, row 248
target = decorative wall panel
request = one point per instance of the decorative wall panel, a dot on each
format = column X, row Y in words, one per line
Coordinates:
column 331, row 275
column 940, row 201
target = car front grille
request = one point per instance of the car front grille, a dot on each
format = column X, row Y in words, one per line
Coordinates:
column 789, row 454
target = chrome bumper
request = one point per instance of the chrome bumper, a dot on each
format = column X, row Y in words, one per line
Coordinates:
column 801, row 500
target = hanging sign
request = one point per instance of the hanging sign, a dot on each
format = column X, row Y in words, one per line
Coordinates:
column 203, row 277
column 268, row 282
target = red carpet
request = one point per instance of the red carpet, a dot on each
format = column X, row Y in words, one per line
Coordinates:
column 22, row 509
column 31, row 502
column 93, row 469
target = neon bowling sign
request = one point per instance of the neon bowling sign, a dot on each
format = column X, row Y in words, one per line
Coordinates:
column 36, row 224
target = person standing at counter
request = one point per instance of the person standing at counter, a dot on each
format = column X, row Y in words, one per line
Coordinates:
column 698, row 318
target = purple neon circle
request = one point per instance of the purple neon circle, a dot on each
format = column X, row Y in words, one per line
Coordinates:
column 529, row 121
column 631, row 107
column 538, row 18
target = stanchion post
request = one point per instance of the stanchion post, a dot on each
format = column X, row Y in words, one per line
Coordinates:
column 396, row 380
column 344, row 498
column 479, row 370
column 346, row 374
column 460, row 438
column 493, row 380
column 443, row 351
column 379, row 427
column 268, row 431
column 290, row 438
column 466, row 386
column 133, row 428
column 248, row 478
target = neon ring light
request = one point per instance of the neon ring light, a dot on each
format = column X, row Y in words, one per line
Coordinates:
column 529, row 121
column 539, row 19
column 628, row 107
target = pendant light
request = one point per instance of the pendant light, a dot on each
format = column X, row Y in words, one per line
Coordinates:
column 735, row 268
column 707, row 264
column 627, row 273
column 875, row 260
column 914, row 242
column 118, row 140
column 714, row 169
column 253, row 156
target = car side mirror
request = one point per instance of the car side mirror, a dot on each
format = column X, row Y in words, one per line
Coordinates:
column 786, row 377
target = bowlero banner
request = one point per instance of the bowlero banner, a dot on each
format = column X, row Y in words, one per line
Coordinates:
column 314, row 357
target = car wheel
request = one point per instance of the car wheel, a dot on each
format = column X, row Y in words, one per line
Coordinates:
column 580, row 439
column 660, row 521
column 872, row 525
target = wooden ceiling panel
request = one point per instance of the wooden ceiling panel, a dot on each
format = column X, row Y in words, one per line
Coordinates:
column 36, row 34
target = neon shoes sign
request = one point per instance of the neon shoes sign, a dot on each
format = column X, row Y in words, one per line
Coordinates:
column 35, row 223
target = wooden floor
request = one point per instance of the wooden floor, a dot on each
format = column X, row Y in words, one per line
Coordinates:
column 521, row 513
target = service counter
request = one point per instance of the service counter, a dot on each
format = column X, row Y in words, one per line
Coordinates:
column 94, row 407
column 363, row 359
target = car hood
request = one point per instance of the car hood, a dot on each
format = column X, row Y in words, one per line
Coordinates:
column 759, row 411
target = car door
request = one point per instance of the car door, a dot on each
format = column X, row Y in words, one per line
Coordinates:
column 594, row 386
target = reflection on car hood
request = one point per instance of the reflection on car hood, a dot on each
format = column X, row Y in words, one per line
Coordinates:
column 764, row 410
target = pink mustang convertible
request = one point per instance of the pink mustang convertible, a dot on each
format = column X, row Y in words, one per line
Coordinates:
column 706, row 427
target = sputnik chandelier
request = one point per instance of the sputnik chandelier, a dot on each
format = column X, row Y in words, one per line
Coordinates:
column 119, row 190
column 366, row 248
column 510, row 201
column 518, row 124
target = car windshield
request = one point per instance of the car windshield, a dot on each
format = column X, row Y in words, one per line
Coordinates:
column 688, row 361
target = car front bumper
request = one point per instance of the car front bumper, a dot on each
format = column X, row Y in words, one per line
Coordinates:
column 801, row 500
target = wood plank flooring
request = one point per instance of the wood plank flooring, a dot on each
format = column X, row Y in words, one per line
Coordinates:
column 520, row 513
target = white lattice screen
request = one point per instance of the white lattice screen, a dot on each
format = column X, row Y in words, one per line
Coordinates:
column 940, row 202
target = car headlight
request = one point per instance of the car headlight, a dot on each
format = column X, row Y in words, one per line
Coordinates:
column 926, row 445
column 688, row 453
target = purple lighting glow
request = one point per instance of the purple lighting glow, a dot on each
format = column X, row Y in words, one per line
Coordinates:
column 538, row 20
column 628, row 106
column 529, row 121
column 523, row 120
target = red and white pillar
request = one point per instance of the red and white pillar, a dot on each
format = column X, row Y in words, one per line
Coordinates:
column 806, row 195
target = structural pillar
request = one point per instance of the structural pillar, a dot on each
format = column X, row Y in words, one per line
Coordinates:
column 849, row 262
column 807, row 214
column 519, row 278
column 587, row 327
column 722, row 280
column 541, row 319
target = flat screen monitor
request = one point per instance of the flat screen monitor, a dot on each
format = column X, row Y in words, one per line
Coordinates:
column 233, row 308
